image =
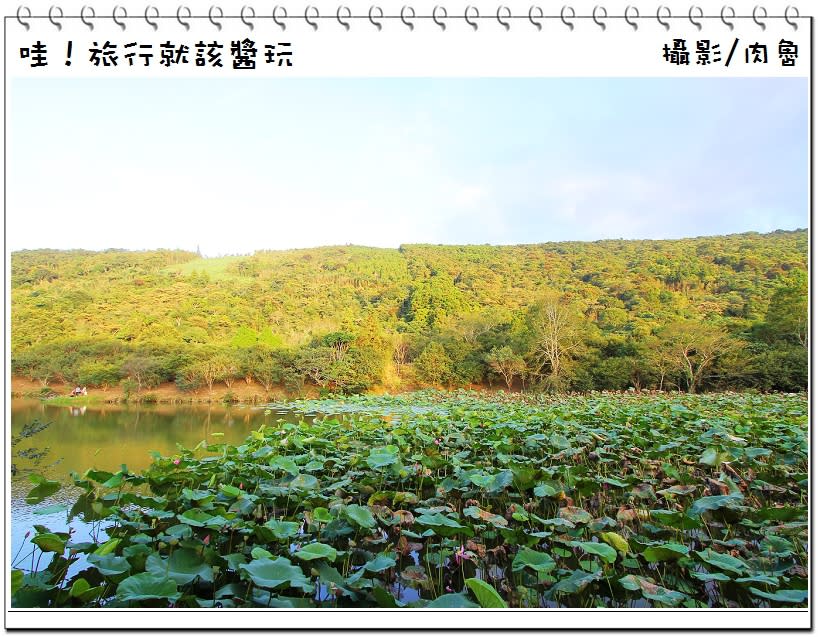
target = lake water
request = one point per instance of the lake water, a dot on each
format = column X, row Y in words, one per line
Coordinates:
column 106, row 437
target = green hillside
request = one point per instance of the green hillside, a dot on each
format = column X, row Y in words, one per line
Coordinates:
column 703, row 313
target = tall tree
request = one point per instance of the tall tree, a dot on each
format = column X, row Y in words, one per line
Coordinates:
column 505, row 362
column 787, row 316
column 556, row 338
column 696, row 347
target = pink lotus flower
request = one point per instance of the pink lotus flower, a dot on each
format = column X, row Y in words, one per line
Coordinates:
column 176, row 461
column 462, row 554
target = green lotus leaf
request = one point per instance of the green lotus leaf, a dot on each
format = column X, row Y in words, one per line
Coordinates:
column 452, row 600
column 665, row 552
column 486, row 594
column 284, row 463
column 384, row 598
column 107, row 547
column 758, row 579
column 651, row 590
column 714, row 502
column 380, row 563
column 183, row 566
column 283, row 529
column 195, row 517
column 230, row 491
column 110, row 565
column 575, row 582
column 544, row 491
column 360, row 515
column 321, row 515
column 49, row 542
column 304, row 482
column 276, row 573
column 382, row 456
column 723, row 561
column 17, row 577
column 493, row 483
column 789, row 596
column 479, row 514
column 535, row 560
column 607, row 553
column 614, row 482
column 145, row 586
column 678, row 489
column 712, row 457
column 707, row 577
column 316, row 551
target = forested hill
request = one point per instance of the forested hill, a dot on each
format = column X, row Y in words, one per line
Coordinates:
column 709, row 312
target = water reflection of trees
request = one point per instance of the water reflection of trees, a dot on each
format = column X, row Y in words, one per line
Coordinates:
column 106, row 436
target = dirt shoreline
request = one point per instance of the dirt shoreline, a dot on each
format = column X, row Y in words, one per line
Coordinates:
column 165, row 393
column 239, row 392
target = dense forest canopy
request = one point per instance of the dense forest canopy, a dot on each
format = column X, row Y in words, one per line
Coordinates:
column 692, row 314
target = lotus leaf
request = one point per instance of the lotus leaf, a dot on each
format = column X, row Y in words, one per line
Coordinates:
column 276, row 573
column 607, row 553
column 380, row 457
column 661, row 553
column 651, row 590
column 304, row 482
column 723, row 561
column 479, row 514
column 788, row 596
column 575, row 582
column 713, row 502
column 486, row 594
column 145, row 586
column 380, row 563
column 316, row 551
column 454, row 600
column 616, row 541
column 183, row 566
column 535, row 560
column 575, row 515
column 360, row 515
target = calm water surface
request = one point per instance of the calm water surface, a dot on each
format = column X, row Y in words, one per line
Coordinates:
column 106, row 437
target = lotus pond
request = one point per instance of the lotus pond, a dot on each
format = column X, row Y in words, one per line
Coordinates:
column 443, row 500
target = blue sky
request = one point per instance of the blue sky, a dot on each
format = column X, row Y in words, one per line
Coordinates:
column 234, row 166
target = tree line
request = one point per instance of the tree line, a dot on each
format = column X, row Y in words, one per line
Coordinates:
column 699, row 314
